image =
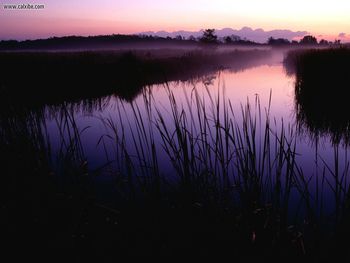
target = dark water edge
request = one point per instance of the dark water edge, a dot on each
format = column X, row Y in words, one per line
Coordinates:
column 54, row 209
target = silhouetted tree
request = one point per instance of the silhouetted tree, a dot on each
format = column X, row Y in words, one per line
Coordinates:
column 308, row 40
column 324, row 42
column 231, row 39
column 209, row 36
column 278, row 41
column 270, row 40
column 178, row 37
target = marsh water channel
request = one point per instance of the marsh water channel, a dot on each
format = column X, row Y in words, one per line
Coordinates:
column 212, row 129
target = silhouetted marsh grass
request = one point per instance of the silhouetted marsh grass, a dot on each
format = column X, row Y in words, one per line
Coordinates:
column 234, row 182
column 247, row 163
column 201, row 175
column 46, row 194
column 213, row 154
column 322, row 83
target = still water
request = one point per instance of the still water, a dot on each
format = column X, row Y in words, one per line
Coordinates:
column 266, row 84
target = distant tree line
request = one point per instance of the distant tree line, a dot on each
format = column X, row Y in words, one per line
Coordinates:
column 66, row 42
column 89, row 41
column 208, row 37
column 306, row 40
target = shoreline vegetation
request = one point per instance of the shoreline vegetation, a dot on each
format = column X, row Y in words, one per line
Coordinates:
column 239, row 190
column 118, row 41
column 25, row 76
column 322, row 85
column 111, row 42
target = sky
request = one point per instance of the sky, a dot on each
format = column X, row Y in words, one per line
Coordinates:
column 324, row 19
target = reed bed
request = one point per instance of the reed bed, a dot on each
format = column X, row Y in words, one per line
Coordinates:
column 26, row 77
column 322, row 82
column 196, row 175
column 216, row 156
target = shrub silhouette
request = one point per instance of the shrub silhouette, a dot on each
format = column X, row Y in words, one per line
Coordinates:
column 209, row 36
column 309, row 40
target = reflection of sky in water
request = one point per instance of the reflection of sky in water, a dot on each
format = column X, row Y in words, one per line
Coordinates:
column 236, row 87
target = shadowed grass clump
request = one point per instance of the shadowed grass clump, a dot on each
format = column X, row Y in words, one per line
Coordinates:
column 44, row 192
column 321, row 88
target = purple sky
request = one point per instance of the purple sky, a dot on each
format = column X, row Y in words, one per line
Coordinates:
column 87, row 17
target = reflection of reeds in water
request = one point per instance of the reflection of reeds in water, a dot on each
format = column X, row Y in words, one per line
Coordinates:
column 240, row 169
column 322, row 83
column 223, row 159
column 217, row 155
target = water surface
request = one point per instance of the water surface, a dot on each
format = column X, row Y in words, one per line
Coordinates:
column 265, row 86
